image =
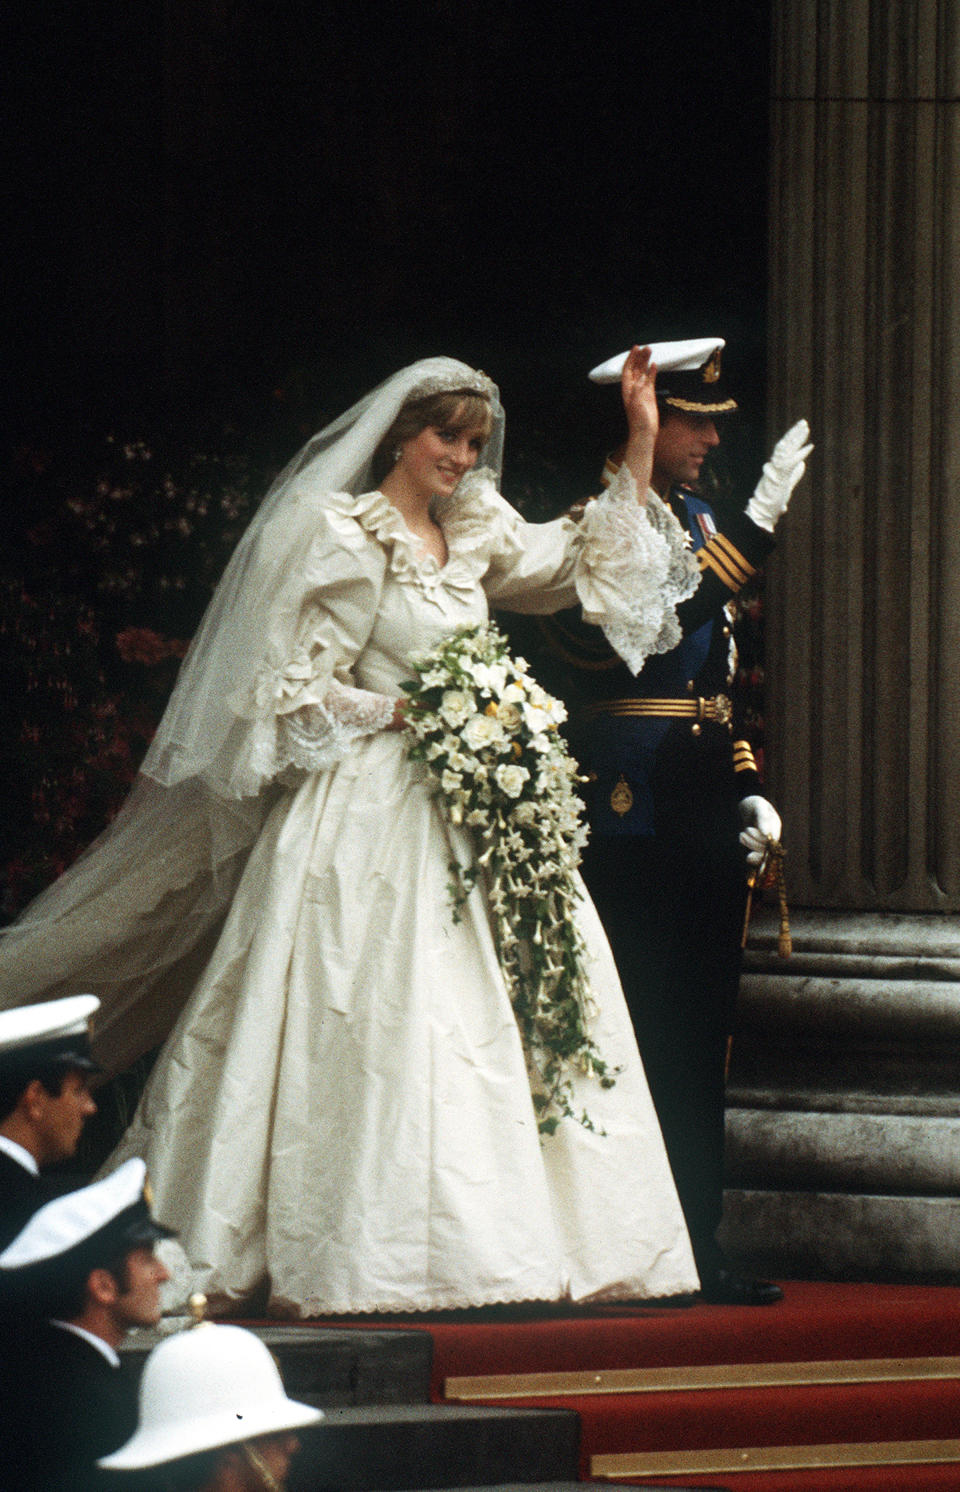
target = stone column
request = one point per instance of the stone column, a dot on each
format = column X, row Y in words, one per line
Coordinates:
column 863, row 669
column 841, row 1128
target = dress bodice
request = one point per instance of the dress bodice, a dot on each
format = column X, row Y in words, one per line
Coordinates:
column 421, row 601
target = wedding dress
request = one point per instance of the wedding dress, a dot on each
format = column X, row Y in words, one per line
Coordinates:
column 343, row 1106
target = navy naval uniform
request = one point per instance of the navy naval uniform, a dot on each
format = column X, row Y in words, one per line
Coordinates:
column 664, row 864
column 21, row 1194
column 63, row 1406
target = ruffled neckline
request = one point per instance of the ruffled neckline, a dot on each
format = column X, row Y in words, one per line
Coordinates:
column 467, row 535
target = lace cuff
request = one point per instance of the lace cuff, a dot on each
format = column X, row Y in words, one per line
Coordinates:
column 319, row 734
column 636, row 568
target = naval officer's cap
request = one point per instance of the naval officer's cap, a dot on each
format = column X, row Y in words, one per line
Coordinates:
column 91, row 1228
column 51, row 1035
column 688, row 375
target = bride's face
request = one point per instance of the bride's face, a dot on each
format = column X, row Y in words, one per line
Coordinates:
column 433, row 462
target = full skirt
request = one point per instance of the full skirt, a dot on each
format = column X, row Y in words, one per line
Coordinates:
column 344, row 1110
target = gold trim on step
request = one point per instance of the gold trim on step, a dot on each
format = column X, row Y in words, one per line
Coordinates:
column 712, row 1375
column 774, row 1458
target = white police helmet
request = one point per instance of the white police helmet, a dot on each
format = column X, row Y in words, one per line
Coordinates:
column 207, row 1388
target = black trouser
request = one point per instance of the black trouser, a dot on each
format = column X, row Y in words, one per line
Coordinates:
column 672, row 906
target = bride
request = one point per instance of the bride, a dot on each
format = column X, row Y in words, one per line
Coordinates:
column 342, row 1112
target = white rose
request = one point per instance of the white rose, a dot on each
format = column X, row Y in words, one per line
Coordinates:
column 510, row 779
column 482, row 730
column 537, row 719
column 456, row 707
column 489, row 676
column 509, row 717
column 524, row 813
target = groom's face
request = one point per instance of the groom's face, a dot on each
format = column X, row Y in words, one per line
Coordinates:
column 683, row 442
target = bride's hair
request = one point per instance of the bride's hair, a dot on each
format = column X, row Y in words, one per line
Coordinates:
column 462, row 409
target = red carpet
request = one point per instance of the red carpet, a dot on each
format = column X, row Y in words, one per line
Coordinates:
column 815, row 1323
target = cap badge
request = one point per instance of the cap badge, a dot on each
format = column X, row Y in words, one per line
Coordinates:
column 711, row 368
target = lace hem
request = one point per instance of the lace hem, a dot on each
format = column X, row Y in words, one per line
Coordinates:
column 314, row 1308
column 638, row 569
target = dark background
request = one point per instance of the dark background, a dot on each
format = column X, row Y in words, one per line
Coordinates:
column 226, row 219
column 220, row 208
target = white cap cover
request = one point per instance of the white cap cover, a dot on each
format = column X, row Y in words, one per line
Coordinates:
column 29, row 1025
column 66, row 1224
column 670, row 357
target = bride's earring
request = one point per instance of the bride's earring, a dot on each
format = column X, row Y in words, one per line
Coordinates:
column 397, row 453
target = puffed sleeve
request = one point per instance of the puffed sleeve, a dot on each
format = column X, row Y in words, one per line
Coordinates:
column 626, row 565
column 302, row 706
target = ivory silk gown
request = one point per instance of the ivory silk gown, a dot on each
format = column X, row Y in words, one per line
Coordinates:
column 343, row 1105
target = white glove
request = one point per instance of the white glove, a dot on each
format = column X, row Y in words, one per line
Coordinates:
column 780, row 475
column 762, row 823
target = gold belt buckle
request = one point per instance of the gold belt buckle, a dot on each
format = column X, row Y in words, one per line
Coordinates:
column 724, row 708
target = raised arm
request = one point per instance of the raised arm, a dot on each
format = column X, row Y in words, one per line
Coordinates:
column 638, row 386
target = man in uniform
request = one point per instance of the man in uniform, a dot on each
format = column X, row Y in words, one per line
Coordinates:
column 673, row 795
column 45, row 1071
column 80, row 1275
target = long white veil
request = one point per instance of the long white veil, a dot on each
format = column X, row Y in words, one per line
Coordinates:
column 134, row 918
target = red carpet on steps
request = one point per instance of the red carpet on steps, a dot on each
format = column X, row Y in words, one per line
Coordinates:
column 814, row 1322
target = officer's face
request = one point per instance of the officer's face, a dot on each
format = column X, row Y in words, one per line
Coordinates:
column 138, row 1301
column 277, row 1451
column 241, row 1468
column 683, row 441
column 59, row 1120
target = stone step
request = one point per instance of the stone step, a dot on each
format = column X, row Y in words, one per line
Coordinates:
column 398, row 1446
column 843, row 1097
column 817, row 1235
column 862, row 1008
column 579, row 1487
column 883, row 1153
column 332, row 1367
column 927, row 936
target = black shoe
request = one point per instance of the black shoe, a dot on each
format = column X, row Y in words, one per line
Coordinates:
column 726, row 1287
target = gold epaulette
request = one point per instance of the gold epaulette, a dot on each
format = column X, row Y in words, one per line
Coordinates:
column 719, row 555
column 743, row 757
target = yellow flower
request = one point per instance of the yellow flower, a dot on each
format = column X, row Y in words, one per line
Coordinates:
column 491, row 708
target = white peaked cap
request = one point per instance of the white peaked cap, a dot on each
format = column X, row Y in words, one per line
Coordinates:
column 29, row 1025
column 65, row 1225
column 670, row 357
column 208, row 1387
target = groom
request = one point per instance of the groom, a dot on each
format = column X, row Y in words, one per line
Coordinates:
column 673, row 796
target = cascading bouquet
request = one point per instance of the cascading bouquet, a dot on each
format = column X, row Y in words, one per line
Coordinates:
column 487, row 733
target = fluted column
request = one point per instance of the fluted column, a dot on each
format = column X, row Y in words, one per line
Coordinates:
column 863, row 709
